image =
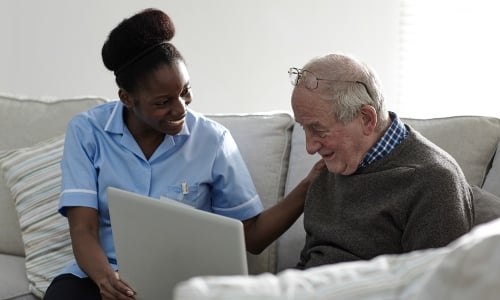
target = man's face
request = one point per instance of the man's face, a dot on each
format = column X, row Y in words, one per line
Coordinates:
column 342, row 146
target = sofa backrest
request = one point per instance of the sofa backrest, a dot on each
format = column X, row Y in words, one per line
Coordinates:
column 471, row 140
column 24, row 122
column 272, row 147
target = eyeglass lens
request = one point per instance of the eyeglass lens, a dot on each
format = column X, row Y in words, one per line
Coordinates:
column 310, row 80
column 294, row 75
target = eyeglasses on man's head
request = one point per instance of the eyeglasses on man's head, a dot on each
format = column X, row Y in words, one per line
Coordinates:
column 310, row 80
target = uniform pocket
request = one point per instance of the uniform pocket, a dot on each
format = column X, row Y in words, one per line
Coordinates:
column 186, row 193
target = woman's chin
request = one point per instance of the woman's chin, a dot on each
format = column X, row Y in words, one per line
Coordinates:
column 173, row 129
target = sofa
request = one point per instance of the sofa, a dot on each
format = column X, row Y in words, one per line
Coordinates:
column 34, row 240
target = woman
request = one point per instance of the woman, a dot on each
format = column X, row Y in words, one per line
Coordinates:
column 150, row 143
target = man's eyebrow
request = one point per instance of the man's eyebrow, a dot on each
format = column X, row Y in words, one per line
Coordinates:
column 313, row 123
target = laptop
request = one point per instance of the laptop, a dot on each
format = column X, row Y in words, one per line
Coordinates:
column 160, row 243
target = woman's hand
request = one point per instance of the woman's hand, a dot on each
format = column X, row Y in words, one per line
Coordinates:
column 113, row 288
column 263, row 229
column 316, row 168
column 84, row 231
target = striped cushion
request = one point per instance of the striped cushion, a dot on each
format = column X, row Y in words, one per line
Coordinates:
column 33, row 175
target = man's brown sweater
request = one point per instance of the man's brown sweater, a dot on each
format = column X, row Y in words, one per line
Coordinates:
column 416, row 197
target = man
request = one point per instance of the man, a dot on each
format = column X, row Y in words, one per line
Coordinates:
column 385, row 189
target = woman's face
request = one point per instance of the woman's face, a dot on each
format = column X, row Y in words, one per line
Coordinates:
column 159, row 104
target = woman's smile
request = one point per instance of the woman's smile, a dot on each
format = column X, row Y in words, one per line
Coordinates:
column 173, row 127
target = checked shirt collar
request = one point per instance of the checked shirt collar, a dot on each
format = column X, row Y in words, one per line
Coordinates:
column 396, row 133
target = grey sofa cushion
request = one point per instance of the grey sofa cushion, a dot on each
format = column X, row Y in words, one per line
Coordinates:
column 29, row 121
column 13, row 281
column 33, row 120
column 471, row 140
column 492, row 181
column 264, row 143
column 10, row 234
column 292, row 241
column 486, row 206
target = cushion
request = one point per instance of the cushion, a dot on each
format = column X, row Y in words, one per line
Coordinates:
column 486, row 206
column 470, row 270
column 33, row 175
column 264, row 142
column 24, row 122
column 384, row 277
column 471, row 140
column 13, row 282
column 291, row 242
column 32, row 120
column 10, row 235
column 461, row 270
column 492, row 181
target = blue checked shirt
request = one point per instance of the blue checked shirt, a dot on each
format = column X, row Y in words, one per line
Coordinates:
column 392, row 137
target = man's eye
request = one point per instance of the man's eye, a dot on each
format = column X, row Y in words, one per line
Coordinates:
column 320, row 133
column 314, row 131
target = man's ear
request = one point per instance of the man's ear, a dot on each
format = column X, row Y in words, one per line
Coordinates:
column 125, row 98
column 369, row 119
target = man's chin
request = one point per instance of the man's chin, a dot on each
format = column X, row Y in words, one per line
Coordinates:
column 331, row 167
column 336, row 169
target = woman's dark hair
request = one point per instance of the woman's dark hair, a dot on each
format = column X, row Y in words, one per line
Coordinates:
column 139, row 45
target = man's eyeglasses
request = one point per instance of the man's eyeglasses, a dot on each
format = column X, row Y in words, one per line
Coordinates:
column 310, row 80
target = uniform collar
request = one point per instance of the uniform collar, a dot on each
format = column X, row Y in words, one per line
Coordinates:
column 116, row 124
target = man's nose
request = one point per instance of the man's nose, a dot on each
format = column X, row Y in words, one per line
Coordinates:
column 312, row 144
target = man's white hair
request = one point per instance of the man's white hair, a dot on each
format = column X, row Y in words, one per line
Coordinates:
column 353, row 84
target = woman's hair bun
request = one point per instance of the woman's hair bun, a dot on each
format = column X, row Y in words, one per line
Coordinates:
column 135, row 34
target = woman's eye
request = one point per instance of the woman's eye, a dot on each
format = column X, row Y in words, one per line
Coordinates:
column 186, row 91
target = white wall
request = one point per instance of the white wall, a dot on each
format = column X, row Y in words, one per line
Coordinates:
column 238, row 52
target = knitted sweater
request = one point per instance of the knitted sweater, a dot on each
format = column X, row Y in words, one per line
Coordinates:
column 416, row 197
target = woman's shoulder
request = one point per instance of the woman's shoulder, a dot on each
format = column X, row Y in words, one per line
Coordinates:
column 98, row 115
column 202, row 122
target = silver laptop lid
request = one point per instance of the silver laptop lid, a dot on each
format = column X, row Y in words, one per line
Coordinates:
column 160, row 243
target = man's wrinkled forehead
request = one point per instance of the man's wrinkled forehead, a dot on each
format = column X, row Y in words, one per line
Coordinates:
column 323, row 68
column 325, row 89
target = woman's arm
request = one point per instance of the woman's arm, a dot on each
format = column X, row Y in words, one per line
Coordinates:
column 84, row 231
column 263, row 229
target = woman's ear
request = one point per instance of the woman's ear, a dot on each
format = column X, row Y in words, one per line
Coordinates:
column 368, row 119
column 125, row 98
